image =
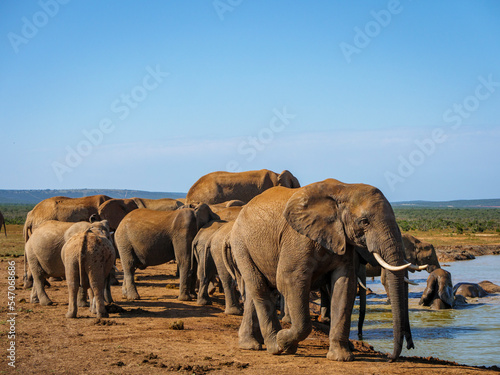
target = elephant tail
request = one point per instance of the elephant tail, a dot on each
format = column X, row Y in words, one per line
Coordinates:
column 194, row 253
column 84, row 280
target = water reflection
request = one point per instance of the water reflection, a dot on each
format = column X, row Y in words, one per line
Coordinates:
column 468, row 335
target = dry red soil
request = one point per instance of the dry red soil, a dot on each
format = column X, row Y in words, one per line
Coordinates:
column 139, row 338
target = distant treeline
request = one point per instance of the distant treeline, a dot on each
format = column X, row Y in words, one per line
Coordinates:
column 15, row 213
column 458, row 220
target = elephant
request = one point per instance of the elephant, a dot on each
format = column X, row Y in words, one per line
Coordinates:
column 148, row 238
column 417, row 252
column 289, row 239
column 217, row 245
column 469, row 290
column 62, row 209
column 201, row 255
column 88, row 258
column 438, row 294
column 2, row 222
column 114, row 210
column 218, row 187
column 208, row 246
column 43, row 252
column 489, row 287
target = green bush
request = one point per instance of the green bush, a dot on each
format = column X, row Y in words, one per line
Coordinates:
column 459, row 220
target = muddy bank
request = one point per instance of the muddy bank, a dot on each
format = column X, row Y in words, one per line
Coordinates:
column 465, row 252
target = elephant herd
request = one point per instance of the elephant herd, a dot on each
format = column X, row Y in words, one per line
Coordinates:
column 260, row 232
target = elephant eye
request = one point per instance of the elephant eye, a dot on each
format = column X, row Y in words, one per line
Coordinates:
column 364, row 222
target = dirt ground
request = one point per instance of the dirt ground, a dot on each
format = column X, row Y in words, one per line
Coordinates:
column 142, row 339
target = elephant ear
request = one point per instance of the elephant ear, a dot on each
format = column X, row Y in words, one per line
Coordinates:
column 287, row 179
column 314, row 212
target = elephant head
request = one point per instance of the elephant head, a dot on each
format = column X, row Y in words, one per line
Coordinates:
column 420, row 252
column 338, row 215
column 287, row 179
column 438, row 293
column 114, row 210
column 203, row 214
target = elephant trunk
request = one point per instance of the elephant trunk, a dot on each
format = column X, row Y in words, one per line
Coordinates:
column 393, row 253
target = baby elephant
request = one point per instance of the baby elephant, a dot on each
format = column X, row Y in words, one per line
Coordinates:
column 88, row 258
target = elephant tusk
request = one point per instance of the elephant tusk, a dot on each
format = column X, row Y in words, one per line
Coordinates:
column 410, row 282
column 418, row 268
column 361, row 284
column 387, row 266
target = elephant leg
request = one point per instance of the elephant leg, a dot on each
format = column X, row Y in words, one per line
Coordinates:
column 182, row 250
column 33, row 296
column 28, row 279
column 38, row 285
column 97, row 289
column 129, row 288
column 325, row 296
column 107, row 289
column 82, row 297
column 73, row 282
column 91, row 294
column 203, row 297
column 249, row 335
column 297, row 301
column 362, row 300
column 343, row 297
column 230, row 294
column 265, row 306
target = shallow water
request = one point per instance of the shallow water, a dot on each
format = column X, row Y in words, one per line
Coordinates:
column 470, row 335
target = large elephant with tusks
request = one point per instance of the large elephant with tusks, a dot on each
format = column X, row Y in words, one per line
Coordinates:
column 289, row 239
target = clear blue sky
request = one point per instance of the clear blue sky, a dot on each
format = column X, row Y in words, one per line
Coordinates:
column 151, row 95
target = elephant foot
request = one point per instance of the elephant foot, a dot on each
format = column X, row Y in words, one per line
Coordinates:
column 184, row 297
column 71, row 314
column 340, row 352
column 27, row 284
column 45, row 302
column 292, row 349
column 273, row 348
column 34, row 300
column 233, row 310
column 132, row 296
column 249, row 344
column 83, row 304
column 289, row 346
column 203, row 301
column 103, row 315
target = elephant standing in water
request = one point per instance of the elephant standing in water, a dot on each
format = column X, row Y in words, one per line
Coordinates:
column 218, row 187
column 148, row 238
column 288, row 239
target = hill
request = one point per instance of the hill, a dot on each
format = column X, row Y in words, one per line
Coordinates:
column 464, row 203
column 36, row 196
